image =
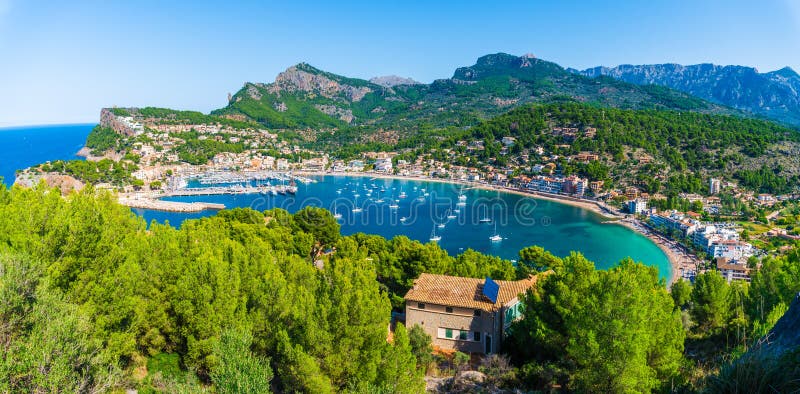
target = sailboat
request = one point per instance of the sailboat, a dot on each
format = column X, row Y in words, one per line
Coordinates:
column 450, row 214
column 461, row 196
column 356, row 208
column 485, row 219
column 336, row 215
column 434, row 237
column 496, row 237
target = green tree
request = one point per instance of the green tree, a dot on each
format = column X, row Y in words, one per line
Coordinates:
column 710, row 301
column 399, row 372
column 421, row 346
column 238, row 370
column 681, row 292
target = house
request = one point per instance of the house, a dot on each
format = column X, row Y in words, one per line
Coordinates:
column 465, row 314
column 731, row 271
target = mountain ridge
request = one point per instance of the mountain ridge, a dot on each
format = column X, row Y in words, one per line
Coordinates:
column 774, row 94
column 305, row 97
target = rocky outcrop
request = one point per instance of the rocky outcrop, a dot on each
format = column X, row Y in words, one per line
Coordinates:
column 298, row 78
column 341, row 113
column 389, row 81
column 65, row 183
column 785, row 336
column 109, row 119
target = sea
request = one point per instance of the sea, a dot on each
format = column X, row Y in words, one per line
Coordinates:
column 424, row 210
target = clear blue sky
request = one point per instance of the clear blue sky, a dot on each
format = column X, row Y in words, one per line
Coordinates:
column 60, row 62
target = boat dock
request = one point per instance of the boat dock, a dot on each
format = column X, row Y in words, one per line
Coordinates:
column 169, row 206
column 207, row 191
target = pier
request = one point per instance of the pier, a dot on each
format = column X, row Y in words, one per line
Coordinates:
column 169, row 206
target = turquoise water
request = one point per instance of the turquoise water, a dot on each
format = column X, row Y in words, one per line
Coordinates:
column 521, row 221
column 23, row 147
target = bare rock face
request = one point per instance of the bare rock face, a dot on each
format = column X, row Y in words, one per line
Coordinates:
column 389, row 81
column 64, row 183
column 296, row 79
column 785, row 336
column 341, row 113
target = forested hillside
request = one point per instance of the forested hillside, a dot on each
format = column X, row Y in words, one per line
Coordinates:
column 304, row 97
column 658, row 150
column 92, row 300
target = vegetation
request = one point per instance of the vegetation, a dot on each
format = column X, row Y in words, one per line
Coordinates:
column 101, row 139
column 494, row 84
column 238, row 303
column 104, row 171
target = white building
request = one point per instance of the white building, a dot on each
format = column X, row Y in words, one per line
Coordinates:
column 714, row 186
column 637, row 206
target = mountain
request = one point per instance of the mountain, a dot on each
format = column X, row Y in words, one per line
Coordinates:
column 304, row 97
column 775, row 95
column 389, row 81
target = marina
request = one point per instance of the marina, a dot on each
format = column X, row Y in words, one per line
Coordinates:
column 491, row 222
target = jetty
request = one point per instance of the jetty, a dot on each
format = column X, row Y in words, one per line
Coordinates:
column 169, row 206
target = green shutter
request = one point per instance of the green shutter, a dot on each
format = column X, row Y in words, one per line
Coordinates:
column 448, row 333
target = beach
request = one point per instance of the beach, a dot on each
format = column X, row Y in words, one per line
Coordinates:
column 680, row 260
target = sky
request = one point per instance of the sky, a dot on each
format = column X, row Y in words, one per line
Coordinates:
column 61, row 62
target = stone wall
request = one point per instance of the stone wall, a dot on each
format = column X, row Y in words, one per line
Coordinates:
column 433, row 317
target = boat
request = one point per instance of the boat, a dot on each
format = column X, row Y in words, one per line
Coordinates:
column 451, row 215
column 456, row 210
column 440, row 225
column 485, row 219
column 336, row 215
column 403, row 219
column 461, row 204
column 393, row 205
column 434, row 237
column 421, row 199
column 402, row 194
column 496, row 237
column 461, row 196
column 356, row 208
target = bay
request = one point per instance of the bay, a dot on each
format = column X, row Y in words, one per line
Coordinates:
column 520, row 220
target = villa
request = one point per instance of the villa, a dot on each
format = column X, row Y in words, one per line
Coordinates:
column 465, row 314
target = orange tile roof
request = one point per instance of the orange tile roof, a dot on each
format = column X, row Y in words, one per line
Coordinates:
column 464, row 292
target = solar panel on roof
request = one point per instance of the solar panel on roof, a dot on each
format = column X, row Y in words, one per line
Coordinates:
column 490, row 289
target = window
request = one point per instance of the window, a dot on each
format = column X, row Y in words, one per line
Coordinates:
column 476, row 336
column 420, row 305
column 448, row 333
column 463, row 335
column 448, row 309
column 477, row 312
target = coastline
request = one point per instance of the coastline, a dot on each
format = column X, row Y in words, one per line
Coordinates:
column 561, row 199
column 679, row 261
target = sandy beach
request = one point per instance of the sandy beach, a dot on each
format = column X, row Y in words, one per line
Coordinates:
column 681, row 261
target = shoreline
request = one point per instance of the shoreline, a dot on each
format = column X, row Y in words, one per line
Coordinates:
column 561, row 199
column 678, row 261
